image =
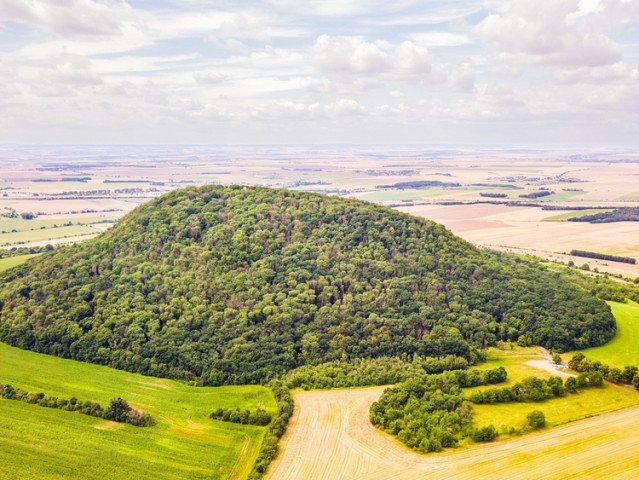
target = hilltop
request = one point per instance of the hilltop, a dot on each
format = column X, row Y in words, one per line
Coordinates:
column 238, row 284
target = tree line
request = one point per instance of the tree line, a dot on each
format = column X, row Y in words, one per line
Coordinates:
column 258, row 417
column 629, row 374
column 118, row 410
column 602, row 256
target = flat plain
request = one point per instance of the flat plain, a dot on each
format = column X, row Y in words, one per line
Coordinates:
column 474, row 192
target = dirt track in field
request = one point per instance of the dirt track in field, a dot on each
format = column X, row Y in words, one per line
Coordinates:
column 331, row 438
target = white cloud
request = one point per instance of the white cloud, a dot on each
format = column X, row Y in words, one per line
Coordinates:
column 347, row 57
column 552, row 33
column 66, row 17
column 439, row 39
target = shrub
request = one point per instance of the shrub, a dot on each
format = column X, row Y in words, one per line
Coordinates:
column 536, row 419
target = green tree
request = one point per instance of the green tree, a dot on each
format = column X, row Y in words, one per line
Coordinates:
column 485, row 434
column 536, row 419
column 117, row 410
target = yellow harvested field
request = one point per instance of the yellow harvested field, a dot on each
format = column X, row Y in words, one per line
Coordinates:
column 522, row 230
column 330, row 437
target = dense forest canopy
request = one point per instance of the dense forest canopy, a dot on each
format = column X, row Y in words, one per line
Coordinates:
column 238, row 284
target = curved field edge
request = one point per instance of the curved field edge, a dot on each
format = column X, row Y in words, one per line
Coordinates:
column 330, row 436
column 37, row 442
column 623, row 349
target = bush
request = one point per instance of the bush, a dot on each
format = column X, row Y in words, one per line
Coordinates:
column 485, row 434
column 536, row 419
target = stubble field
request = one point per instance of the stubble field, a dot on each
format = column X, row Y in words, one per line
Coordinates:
column 330, row 437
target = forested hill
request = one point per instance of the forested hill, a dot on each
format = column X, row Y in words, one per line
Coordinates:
column 236, row 284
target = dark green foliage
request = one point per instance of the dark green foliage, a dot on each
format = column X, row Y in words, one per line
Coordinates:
column 485, row 434
column 429, row 412
column 594, row 373
column 536, row 419
column 365, row 372
column 259, row 417
column 118, row 411
column 269, row 448
column 537, row 194
column 239, row 285
column 530, row 389
column 492, row 195
column 420, row 184
column 626, row 214
column 602, row 256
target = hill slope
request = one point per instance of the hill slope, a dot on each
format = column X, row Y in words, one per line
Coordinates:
column 236, row 284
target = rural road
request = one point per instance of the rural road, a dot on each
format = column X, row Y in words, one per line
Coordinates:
column 330, row 438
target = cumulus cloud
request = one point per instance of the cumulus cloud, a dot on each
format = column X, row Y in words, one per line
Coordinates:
column 66, row 17
column 354, row 56
column 552, row 33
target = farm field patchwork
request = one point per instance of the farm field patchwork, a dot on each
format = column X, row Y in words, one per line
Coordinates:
column 330, row 436
column 184, row 443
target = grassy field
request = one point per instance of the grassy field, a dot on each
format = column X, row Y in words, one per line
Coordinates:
column 37, row 442
column 561, row 197
column 8, row 262
column 624, row 348
column 587, row 403
column 16, row 238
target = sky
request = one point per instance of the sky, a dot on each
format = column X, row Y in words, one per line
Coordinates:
column 534, row 72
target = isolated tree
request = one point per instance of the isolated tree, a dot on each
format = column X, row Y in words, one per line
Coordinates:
column 635, row 381
column 485, row 434
column 556, row 358
column 536, row 419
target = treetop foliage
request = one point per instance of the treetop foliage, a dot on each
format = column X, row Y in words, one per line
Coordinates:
column 241, row 284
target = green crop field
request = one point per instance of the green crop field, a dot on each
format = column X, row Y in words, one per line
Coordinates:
column 586, row 403
column 623, row 349
column 15, row 238
column 574, row 214
column 43, row 443
column 8, row 262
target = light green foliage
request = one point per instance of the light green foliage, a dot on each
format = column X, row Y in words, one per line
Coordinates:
column 44, row 443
